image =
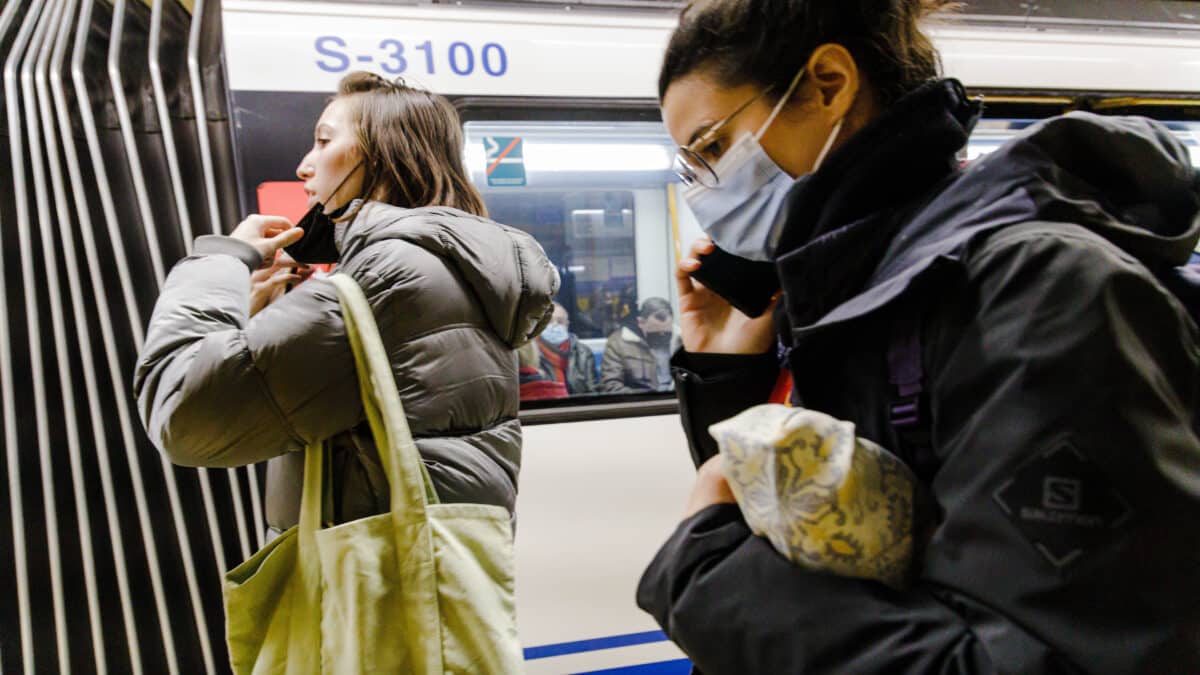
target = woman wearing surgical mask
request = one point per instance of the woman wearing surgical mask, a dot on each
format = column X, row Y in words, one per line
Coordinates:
column 1000, row 328
column 453, row 292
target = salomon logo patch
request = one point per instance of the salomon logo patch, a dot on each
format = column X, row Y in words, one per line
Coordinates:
column 1063, row 504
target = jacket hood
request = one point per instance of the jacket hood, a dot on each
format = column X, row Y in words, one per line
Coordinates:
column 1126, row 178
column 1129, row 179
column 505, row 267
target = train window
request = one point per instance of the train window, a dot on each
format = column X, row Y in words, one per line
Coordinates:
column 601, row 198
column 603, row 202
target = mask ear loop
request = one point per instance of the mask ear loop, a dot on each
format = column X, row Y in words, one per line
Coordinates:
column 339, row 185
column 833, row 134
column 787, row 96
column 777, row 230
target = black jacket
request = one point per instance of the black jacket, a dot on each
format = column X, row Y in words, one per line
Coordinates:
column 1061, row 387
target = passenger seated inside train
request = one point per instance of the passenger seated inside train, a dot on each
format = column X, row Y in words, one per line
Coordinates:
column 564, row 358
column 536, row 385
column 637, row 356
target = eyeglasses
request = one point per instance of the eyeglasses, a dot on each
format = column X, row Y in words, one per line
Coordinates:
column 690, row 166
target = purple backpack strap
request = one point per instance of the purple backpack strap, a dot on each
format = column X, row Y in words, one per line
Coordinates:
column 905, row 373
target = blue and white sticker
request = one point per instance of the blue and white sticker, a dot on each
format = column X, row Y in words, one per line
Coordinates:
column 505, row 161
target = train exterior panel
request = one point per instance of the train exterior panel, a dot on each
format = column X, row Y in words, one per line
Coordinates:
column 597, row 496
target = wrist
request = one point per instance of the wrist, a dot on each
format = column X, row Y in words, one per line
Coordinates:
column 215, row 244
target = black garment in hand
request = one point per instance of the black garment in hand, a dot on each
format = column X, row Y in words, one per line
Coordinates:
column 319, row 244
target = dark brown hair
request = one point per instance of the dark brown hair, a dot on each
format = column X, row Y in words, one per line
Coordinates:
column 411, row 143
column 766, row 42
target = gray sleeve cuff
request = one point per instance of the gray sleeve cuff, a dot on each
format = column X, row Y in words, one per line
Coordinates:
column 215, row 243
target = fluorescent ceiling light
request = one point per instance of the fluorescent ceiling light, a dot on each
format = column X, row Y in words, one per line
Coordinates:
column 582, row 157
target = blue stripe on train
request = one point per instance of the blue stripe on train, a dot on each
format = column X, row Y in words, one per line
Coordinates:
column 677, row 667
column 594, row 644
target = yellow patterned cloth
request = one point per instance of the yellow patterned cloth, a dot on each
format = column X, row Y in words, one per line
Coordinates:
column 825, row 499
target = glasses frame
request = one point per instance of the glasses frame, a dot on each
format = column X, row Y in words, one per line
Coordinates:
column 690, row 166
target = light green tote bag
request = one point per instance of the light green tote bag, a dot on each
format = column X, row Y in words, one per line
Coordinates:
column 424, row 589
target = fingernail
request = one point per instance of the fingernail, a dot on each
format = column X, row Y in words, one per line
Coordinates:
column 690, row 264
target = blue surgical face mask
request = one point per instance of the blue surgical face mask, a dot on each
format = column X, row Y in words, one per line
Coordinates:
column 740, row 214
column 555, row 334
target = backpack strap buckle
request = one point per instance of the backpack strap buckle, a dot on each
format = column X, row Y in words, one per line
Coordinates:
column 906, row 374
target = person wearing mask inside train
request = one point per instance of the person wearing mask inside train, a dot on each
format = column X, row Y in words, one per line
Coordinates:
column 637, row 356
column 536, row 385
column 454, row 294
column 563, row 357
column 1001, row 328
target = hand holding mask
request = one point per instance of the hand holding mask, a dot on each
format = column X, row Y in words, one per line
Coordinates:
column 267, row 234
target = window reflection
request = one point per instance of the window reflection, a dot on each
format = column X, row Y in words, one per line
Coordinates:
column 589, row 236
column 595, row 196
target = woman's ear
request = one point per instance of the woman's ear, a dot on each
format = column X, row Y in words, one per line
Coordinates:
column 836, row 78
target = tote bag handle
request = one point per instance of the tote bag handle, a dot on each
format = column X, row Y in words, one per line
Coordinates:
column 409, row 484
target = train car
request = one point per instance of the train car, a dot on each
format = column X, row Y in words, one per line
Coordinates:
column 570, row 95
column 132, row 127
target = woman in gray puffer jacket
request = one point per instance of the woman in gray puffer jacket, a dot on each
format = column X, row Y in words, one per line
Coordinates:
column 221, row 384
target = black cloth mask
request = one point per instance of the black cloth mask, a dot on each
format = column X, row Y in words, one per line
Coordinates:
column 319, row 245
column 659, row 339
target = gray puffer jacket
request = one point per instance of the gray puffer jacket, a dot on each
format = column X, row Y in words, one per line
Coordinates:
column 453, row 294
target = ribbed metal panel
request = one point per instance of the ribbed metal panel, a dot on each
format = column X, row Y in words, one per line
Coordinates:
column 113, row 125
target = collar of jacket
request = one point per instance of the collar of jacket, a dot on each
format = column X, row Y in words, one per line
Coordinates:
column 839, row 221
column 630, row 335
column 1128, row 179
column 341, row 226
